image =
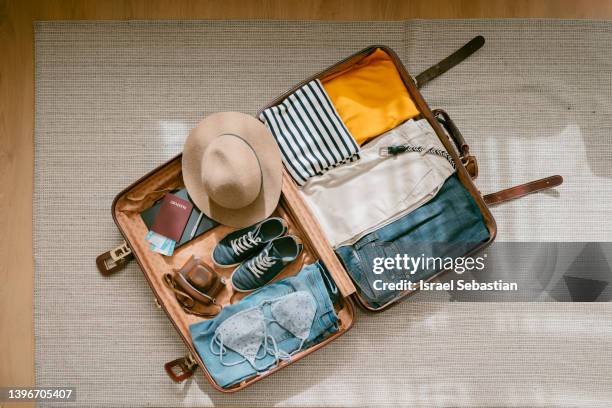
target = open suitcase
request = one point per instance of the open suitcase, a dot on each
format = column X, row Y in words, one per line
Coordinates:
column 144, row 192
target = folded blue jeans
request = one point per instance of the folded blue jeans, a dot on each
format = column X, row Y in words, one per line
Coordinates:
column 313, row 279
column 450, row 225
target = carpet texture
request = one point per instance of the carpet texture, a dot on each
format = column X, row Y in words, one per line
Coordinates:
column 115, row 100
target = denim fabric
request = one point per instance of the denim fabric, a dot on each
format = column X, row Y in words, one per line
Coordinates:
column 309, row 279
column 450, row 225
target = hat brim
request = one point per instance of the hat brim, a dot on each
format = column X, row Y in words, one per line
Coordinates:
column 263, row 144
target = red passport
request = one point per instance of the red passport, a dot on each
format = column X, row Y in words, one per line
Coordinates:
column 172, row 217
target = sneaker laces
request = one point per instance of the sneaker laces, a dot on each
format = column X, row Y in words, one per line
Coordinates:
column 245, row 242
column 260, row 264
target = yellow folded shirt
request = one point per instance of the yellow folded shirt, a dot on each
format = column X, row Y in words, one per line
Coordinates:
column 370, row 96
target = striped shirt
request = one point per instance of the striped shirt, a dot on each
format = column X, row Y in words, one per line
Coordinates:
column 309, row 132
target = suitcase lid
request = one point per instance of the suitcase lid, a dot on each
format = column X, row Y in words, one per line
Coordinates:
column 337, row 270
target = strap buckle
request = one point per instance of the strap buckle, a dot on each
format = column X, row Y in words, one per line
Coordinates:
column 470, row 164
column 181, row 369
column 394, row 150
column 384, row 152
column 114, row 260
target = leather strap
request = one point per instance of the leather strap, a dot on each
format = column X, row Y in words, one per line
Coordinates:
column 469, row 161
column 188, row 303
column 522, row 190
column 447, row 63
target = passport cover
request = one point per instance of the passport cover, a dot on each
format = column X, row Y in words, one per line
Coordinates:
column 206, row 224
column 172, row 217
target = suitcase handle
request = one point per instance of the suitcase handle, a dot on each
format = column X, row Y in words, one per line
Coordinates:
column 469, row 161
column 113, row 261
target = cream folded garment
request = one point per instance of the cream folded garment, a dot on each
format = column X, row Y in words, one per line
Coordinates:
column 357, row 198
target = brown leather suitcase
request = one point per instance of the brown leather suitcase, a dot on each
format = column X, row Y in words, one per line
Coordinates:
column 144, row 192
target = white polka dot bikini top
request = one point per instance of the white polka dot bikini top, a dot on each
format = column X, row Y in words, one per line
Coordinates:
column 246, row 332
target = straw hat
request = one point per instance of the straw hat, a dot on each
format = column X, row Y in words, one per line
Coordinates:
column 232, row 169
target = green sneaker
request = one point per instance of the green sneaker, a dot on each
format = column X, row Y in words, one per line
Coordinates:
column 258, row 271
column 241, row 245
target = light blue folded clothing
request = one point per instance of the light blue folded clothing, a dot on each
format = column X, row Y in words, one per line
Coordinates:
column 266, row 327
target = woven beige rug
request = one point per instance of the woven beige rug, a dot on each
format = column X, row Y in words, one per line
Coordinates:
column 114, row 100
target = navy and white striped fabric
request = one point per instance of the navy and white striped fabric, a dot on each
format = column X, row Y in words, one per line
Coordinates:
column 309, row 132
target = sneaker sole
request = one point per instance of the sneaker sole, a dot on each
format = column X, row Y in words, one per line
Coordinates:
column 212, row 258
